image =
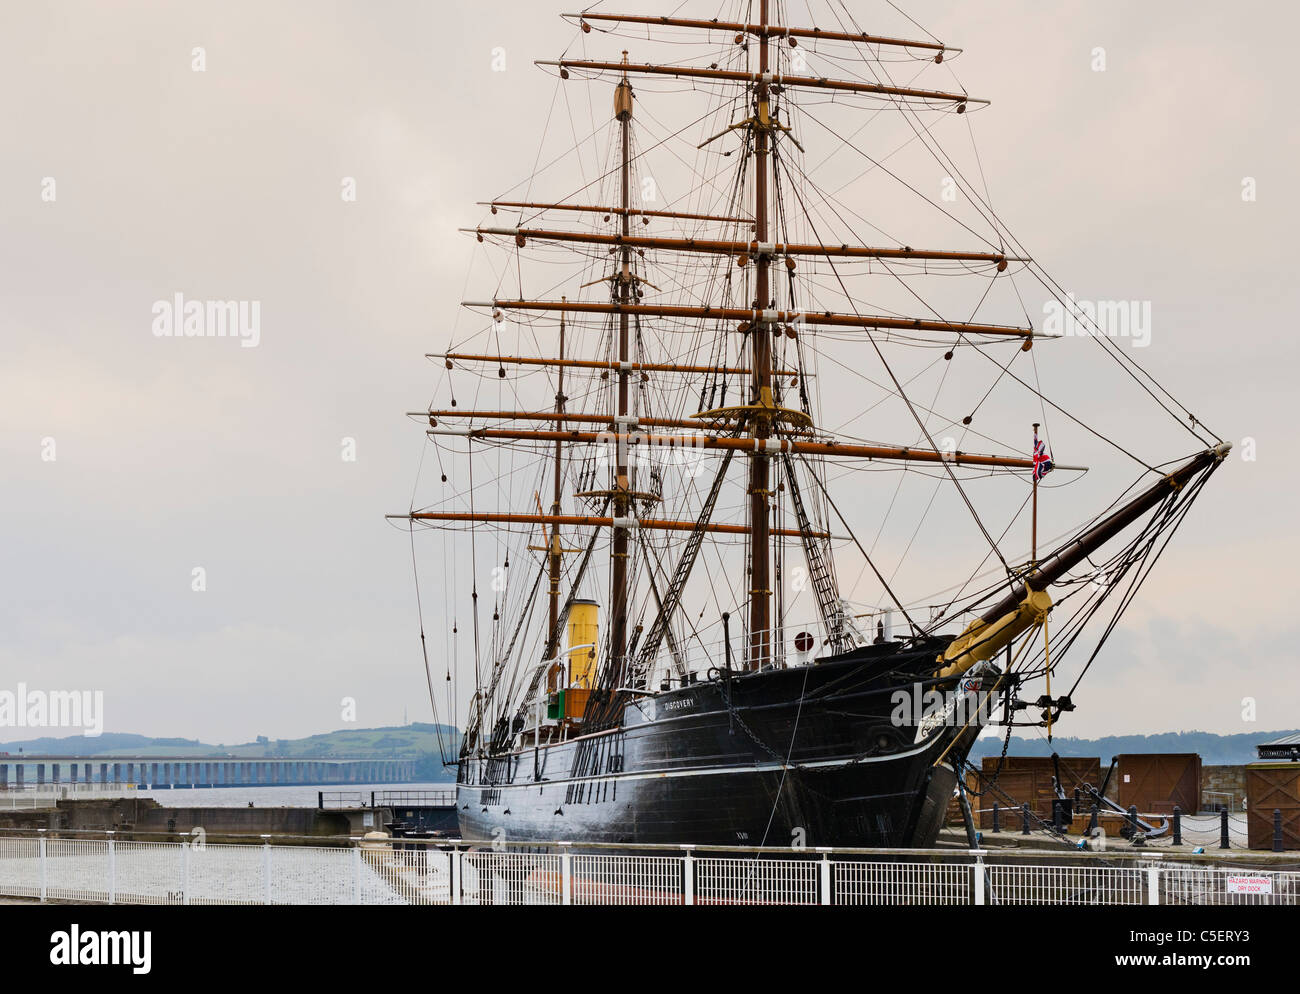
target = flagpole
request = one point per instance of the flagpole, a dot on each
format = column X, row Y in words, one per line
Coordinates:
column 1033, row 562
column 1033, row 540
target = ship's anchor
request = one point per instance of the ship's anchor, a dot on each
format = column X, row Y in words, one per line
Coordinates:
column 1133, row 828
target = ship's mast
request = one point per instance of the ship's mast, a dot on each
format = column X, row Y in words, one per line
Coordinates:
column 756, row 426
column 622, row 484
column 555, row 551
column 760, row 648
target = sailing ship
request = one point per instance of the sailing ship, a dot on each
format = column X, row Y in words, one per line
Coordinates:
column 677, row 662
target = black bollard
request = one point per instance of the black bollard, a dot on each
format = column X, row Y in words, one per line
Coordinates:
column 1078, row 802
column 1224, row 842
column 1178, row 825
column 1277, row 829
column 1133, row 818
column 1024, row 812
column 997, row 820
column 1094, row 821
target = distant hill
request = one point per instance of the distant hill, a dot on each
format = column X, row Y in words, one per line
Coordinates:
column 1214, row 750
column 416, row 741
column 105, row 745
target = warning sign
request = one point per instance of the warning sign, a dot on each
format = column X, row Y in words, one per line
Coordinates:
column 1250, row 885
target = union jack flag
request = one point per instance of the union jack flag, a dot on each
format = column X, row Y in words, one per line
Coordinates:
column 1042, row 461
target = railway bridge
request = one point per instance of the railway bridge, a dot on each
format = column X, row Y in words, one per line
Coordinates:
column 21, row 771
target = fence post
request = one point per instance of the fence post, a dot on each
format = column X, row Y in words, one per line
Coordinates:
column 1178, row 825
column 356, row 874
column 266, row 870
column 1277, row 829
column 42, row 864
column 185, row 873
column 824, row 875
column 566, row 874
column 978, row 868
column 1024, row 813
column 112, row 869
column 688, row 877
column 1153, row 884
column 1224, row 841
column 455, row 875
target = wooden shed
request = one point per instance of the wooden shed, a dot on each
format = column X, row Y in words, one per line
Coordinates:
column 1028, row 779
column 1271, row 786
column 1158, row 782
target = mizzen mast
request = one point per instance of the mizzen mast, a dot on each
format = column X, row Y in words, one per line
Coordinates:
column 555, row 553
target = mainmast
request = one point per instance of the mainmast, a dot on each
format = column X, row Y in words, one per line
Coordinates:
column 760, row 592
column 622, row 484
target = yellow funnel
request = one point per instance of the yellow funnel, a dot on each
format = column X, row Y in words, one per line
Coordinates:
column 584, row 635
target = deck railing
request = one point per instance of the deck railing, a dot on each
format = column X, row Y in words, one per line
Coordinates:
column 108, row 870
column 332, row 799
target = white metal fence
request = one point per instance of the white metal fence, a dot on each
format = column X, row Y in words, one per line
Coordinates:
column 48, row 795
column 118, row 872
column 856, row 882
column 1181, row 884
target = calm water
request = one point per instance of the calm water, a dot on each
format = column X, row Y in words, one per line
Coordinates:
column 272, row 797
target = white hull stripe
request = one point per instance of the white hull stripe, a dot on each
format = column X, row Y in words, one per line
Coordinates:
column 705, row 772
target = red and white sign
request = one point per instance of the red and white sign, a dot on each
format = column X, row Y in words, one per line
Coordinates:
column 1250, row 885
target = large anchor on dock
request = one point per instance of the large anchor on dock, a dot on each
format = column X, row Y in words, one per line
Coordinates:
column 1134, row 827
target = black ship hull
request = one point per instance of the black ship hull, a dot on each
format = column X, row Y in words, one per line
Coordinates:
column 815, row 755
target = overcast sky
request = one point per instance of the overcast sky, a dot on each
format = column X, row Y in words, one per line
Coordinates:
column 177, row 454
